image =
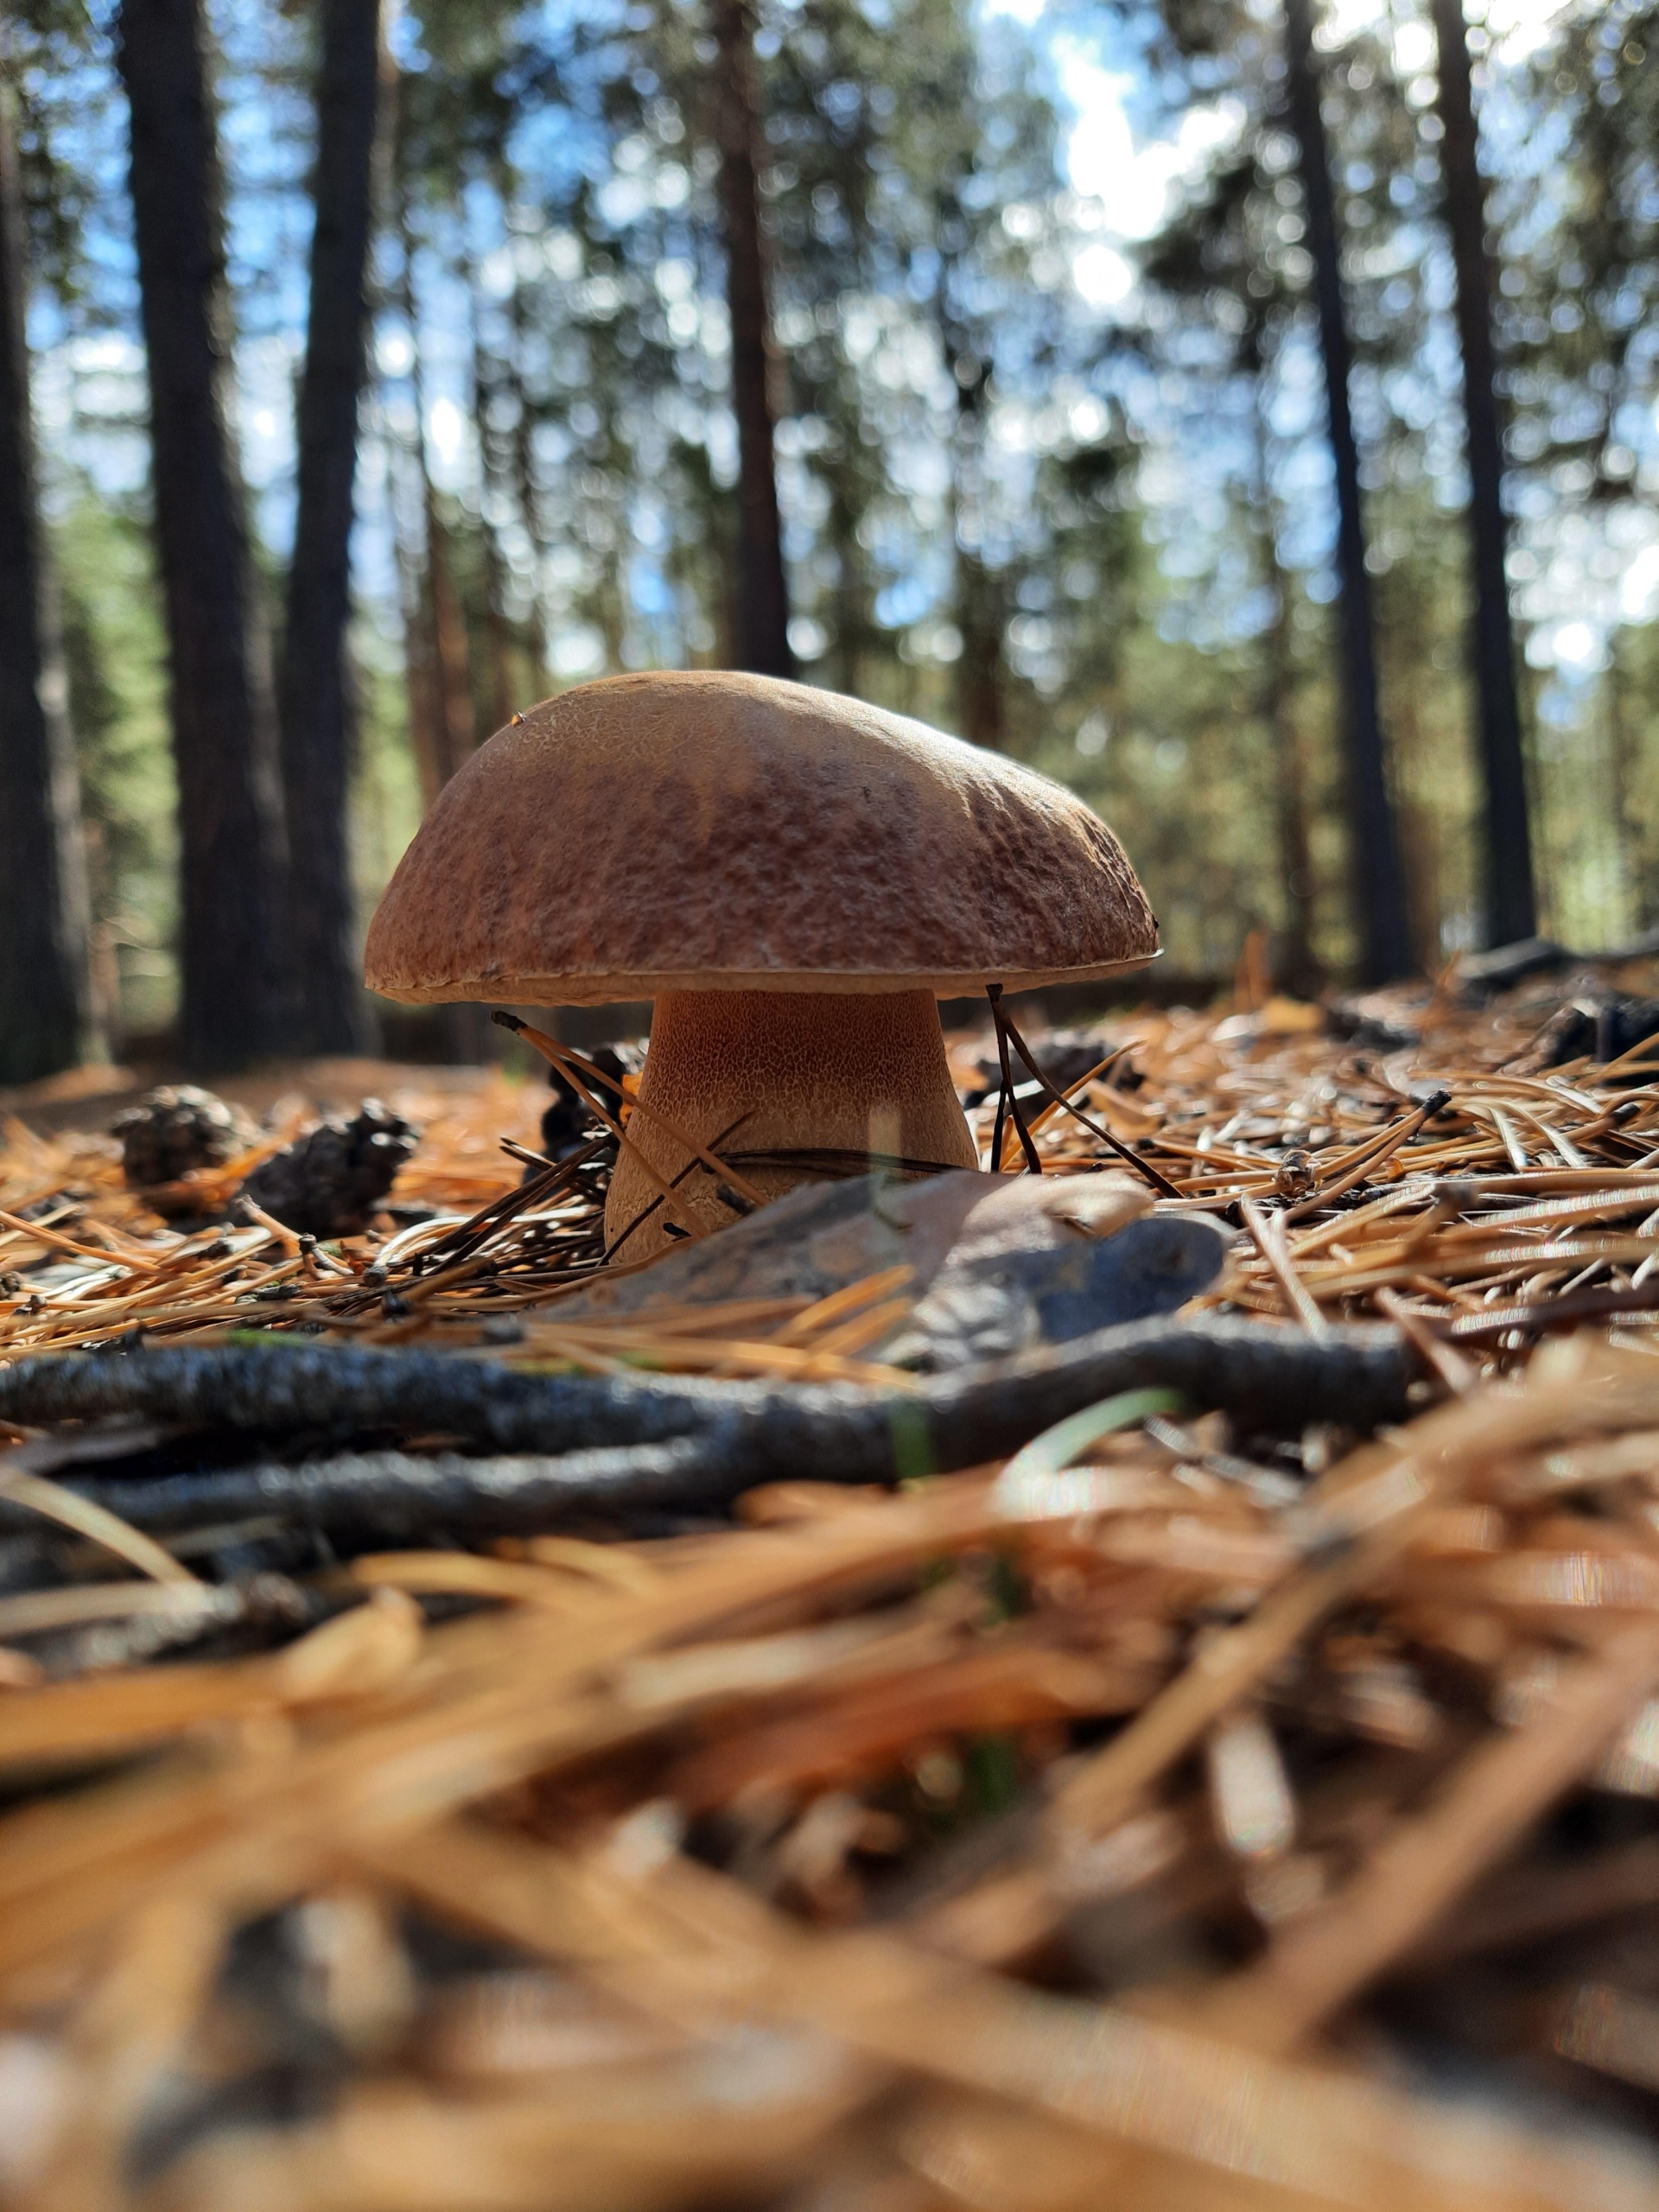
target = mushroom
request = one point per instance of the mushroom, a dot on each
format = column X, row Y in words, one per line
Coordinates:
column 794, row 878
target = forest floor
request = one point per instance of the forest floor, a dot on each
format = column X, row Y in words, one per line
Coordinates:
column 1239, row 1788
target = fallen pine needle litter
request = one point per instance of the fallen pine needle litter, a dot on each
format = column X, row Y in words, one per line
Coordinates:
column 1194, row 1798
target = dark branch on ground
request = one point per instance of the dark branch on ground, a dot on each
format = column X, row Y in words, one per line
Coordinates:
column 615, row 1441
column 363, row 1498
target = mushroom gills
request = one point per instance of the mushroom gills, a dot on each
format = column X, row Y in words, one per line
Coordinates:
column 798, row 1072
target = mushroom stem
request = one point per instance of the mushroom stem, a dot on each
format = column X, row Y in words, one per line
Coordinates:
column 806, row 1071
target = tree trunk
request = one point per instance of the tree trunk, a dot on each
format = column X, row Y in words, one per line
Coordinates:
column 316, row 701
column 1380, row 899
column 434, row 637
column 527, row 493
column 419, row 666
column 441, row 716
column 1511, row 907
column 979, row 671
column 1300, row 963
column 1624, row 755
column 978, row 601
column 851, row 596
column 453, row 724
column 422, row 553
column 45, row 995
column 762, row 591
column 454, row 720
column 232, row 960
column 498, row 631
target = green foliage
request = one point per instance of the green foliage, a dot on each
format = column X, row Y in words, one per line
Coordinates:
column 115, row 654
column 46, row 47
column 1580, row 306
column 385, row 804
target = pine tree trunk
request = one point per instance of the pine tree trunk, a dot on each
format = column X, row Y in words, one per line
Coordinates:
column 762, row 591
column 316, row 701
column 232, row 951
column 465, row 1030
column 46, row 995
column 418, row 660
column 527, row 493
column 1623, row 755
column 1301, row 965
column 498, row 629
column 441, row 715
column 851, row 611
column 979, row 671
column 978, row 602
column 445, row 730
column 1511, row 906
column 498, row 634
column 1381, row 925
column 452, row 722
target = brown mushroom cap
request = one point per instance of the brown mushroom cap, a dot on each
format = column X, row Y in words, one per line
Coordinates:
column 712, row 831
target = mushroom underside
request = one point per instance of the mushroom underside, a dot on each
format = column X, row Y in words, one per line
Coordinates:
column 752, row 1076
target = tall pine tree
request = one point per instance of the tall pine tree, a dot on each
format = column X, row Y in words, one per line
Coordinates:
column 1380, row 891
column 46, row 1002
column 315, row 688
column 233, row 951
column 1511, row 908
column 762, row 587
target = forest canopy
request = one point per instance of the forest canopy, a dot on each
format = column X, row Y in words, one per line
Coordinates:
column 1043, row 363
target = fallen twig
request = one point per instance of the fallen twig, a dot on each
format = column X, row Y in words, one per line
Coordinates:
column 746, row 1432
column 378, row 1497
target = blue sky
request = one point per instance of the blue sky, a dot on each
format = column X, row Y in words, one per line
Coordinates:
column 1576, row 574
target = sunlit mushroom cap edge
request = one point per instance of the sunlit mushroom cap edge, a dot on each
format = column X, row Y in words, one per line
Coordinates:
column 715, row 831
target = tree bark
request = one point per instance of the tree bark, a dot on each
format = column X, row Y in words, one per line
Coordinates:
column 454, row 725
column 316, row 694
column 1300, row 963
column 1624, row 757
column 498, row 629
column 419, row 665
column 436, row 688
column 47, row 1019
column 851, row 600
column 762, row 590
column 979, row 671
column 1380, row 898
column 442, row 718
column 978, row 601
column 233, row 956
column 1511, row 906
column 454, row 719
column 527, row 492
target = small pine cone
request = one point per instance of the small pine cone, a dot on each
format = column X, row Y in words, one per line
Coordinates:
column 169, row 1132
column 331, row 1179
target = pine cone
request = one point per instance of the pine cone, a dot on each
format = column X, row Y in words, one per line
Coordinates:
column 331, row 1179
column 171, row 1131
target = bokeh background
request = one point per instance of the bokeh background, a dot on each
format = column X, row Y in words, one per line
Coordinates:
column 1036, row 369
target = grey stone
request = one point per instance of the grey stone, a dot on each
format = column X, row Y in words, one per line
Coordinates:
column 998, row 1263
